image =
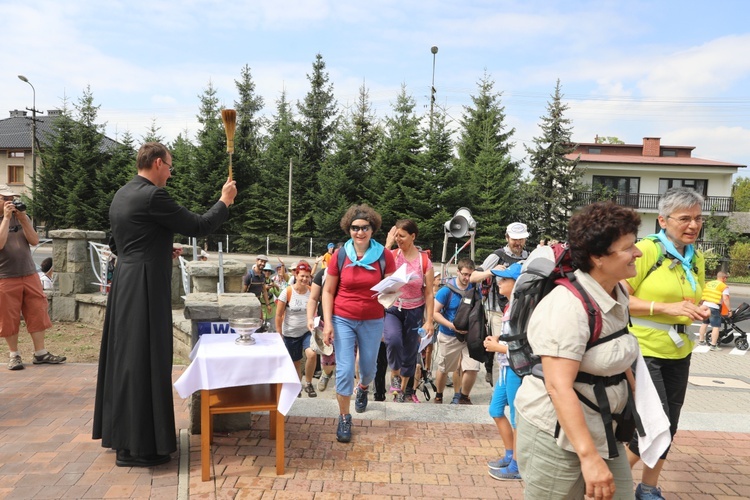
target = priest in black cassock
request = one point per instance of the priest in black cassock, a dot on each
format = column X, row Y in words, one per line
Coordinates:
column 133, row 411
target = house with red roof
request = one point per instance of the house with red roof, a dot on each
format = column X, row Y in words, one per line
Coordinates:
column 636, row 175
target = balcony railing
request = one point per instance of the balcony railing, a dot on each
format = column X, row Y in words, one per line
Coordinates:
column 642, row 201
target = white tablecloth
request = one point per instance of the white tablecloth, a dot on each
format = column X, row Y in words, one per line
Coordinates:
column 218, row 362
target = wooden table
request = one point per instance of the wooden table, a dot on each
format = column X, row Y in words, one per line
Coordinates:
column 237, row 379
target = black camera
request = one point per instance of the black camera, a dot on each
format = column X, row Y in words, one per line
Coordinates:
column 20, row 206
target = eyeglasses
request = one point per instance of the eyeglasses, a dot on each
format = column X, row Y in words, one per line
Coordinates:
column 171, row 168
column 465, row 275
column 356, row 229
column 684, row 221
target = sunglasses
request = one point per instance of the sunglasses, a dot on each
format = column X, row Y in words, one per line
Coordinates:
column 356, row 229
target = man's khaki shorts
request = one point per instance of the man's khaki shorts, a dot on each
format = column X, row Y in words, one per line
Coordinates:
column 451, row 352
column 23, row 295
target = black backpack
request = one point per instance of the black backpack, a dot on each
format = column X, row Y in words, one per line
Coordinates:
column 470, row 317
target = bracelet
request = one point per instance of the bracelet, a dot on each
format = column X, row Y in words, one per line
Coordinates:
column 651, row 311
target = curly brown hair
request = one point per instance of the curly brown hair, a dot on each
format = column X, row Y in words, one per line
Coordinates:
column 364, row 212
column 593, row 229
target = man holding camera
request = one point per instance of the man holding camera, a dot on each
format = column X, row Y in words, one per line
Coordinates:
column 20, row 288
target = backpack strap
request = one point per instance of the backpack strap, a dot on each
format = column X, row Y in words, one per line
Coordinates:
column 663, row 255
column 593, row 312
column 381, row 260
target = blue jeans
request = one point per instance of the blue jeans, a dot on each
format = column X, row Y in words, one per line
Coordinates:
column 347, row 334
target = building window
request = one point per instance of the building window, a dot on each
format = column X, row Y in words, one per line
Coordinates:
column 621, row 190
column 668, row 152
column 595, row 151
column 698, row 185
column 15, row 174
column 16, row 154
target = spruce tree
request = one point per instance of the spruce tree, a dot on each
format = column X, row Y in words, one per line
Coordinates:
column 115, row 173
column 342, row 174
column 489, row 175
column 397, row 177
column 50, row 197
column 88, row 155
column 556, row 180
column 317, row 124
column 248, row 145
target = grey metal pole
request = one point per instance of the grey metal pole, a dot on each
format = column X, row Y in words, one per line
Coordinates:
column 33, row 136
column 434, row 51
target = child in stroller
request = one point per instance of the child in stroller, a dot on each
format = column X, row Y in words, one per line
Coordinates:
column 730, row 331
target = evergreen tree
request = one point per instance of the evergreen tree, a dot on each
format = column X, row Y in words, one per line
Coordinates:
column 444, row 193
column 114, row 174
column 88, row 155
column 267, row 214
column 50, row 197
column 181, row 185
column 317, row 124
column 248, row 145
column 397, row 179
column 556, row 180
column 489, row 175
column 152, row 134
column 343, row 172
column 210, row 167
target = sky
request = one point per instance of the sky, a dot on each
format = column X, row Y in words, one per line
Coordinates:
column 674, row 69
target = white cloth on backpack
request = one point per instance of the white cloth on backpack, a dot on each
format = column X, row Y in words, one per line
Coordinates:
column 655, row 421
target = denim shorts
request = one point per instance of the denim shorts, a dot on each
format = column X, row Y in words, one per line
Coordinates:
column 297, row 345
column 714, row 319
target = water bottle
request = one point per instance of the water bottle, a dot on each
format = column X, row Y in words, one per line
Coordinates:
column 422, row 332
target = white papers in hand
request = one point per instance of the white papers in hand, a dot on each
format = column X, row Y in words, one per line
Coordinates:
column 393, row 282
column 425, row 342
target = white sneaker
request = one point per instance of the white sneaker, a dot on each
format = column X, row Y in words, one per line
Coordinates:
column 323, row 382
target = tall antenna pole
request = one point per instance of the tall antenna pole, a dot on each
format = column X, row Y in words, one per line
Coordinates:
column 289, row 213
column 434, row 51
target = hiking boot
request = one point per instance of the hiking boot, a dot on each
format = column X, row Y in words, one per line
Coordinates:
column 499, row 463
column 701, row 342
column 15, row 363
column 323, row 382
column 49, row 358
column 395, row 384
column 464, row 400
column 360, row 402
column 344, row 430
column 398, row 397
column 438, row 398
column 654, row 494
column 715, row 348
column 310, row 391
column 456, row 397
column 413, row 398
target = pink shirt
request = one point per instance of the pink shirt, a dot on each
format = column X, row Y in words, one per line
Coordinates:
column 412, row 293
column 354, row 299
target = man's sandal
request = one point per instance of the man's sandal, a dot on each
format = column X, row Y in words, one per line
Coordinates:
column 49, row 358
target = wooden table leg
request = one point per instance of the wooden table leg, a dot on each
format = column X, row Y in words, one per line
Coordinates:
column 205, row 436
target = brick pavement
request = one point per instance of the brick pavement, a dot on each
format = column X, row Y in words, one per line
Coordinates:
column 46, row 451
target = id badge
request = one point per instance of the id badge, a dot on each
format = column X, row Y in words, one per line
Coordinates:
column 675, row 337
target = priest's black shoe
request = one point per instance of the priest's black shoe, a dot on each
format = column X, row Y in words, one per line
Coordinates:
column 125, row 459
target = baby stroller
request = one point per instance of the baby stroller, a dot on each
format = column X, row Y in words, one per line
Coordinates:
column 731, row 332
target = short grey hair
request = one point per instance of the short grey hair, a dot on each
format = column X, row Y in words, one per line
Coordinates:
column 678, row 198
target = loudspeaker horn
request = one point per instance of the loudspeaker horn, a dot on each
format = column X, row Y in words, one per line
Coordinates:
column 461, row 223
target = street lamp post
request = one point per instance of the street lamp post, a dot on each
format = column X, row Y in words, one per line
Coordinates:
column 434, row 51
column 33, row 133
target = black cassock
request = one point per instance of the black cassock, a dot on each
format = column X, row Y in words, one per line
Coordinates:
column 134, row 409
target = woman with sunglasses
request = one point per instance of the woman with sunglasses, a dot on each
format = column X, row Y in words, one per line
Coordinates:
column 664, row 299
column 353, row 316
